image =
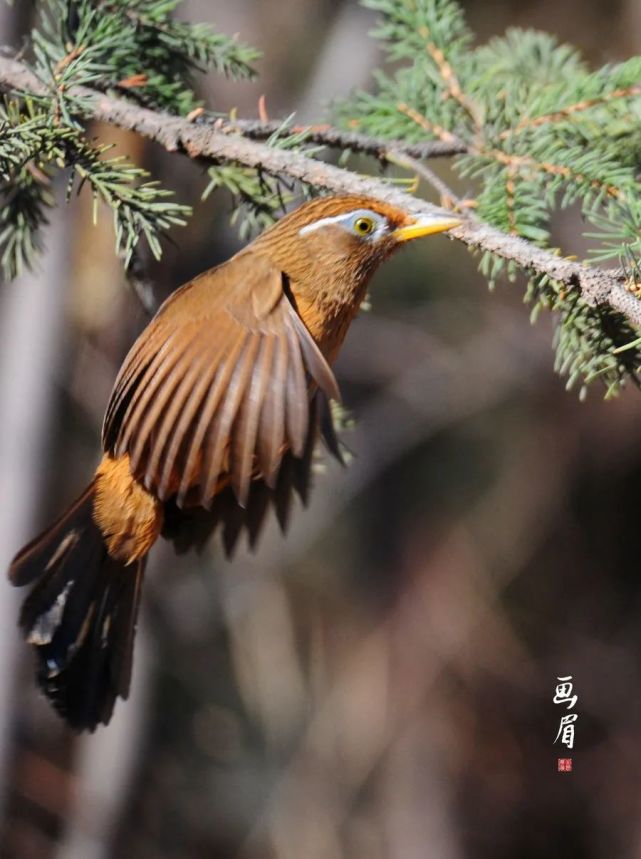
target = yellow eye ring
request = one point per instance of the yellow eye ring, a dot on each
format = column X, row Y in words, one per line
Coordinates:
column 363, row 226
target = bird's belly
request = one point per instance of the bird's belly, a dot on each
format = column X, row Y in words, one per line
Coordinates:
column 129, row 517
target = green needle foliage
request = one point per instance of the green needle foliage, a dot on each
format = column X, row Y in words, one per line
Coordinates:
column 259, row 198
column 133, row 47
column 540, row 132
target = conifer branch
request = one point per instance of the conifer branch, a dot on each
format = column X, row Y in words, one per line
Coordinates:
column 572, row 109
column 337, row 138
column 447, row 197
column 450, row 79
column 518, row 163
column 199, row 141
column 522, row 117
column 430, row 127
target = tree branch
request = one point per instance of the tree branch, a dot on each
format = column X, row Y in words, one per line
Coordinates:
column 598, row 286
column 326, row 135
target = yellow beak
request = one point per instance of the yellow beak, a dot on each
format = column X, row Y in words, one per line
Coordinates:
column 425, row 225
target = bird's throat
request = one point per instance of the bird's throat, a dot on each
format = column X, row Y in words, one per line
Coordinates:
column 328, row 317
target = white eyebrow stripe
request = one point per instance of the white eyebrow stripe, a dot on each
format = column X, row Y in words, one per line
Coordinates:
column 316, row 225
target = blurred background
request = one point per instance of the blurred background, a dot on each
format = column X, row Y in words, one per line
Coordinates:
column 379, row 683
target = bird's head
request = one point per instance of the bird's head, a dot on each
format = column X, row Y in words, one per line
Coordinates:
column 330, row 246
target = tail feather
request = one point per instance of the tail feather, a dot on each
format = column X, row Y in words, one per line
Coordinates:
column 80, row 615
column 85, row 686
column 37, row 556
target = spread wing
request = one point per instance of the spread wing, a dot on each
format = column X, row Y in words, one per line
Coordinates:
column 194, row 527
column 217, row 388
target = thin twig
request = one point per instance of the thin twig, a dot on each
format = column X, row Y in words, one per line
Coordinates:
column 565, row 113
column 336, row 138
column 447, row 197
column 426, row 124
column 450, row 80
column 598, row 286
column 516, row 163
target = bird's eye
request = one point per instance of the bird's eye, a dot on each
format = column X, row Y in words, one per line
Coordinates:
column 363, row 226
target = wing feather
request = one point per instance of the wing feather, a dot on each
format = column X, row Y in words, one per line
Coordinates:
column 157, row 371
column 136, row 362
column 315, row 362
column 297, row 397
column 182, row 450
column 271, row 434
column 246, row 428
column 217, row 393
column 192, row 366
column 147, row 419
column 220, row 432
column 213, row 397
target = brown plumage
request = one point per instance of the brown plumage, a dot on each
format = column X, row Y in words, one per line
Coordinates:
column 212, row 421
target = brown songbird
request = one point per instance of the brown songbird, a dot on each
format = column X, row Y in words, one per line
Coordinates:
column 212, row 420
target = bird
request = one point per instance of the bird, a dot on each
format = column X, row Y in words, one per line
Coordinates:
column 212, row 422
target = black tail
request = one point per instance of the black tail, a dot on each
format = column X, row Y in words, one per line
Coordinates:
column 80, row 615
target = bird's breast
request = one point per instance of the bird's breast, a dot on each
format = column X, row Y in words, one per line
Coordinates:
column 327, row 321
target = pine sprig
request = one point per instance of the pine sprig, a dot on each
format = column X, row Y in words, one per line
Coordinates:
column 24, row 133
column 140, row 207
column 531, row 128
column 33, row 147
column 541, row 132
column 134, row 46
column 24, row 205
column 258, row 197
column 28, row 144
column 433, row 40
column 592, row 345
